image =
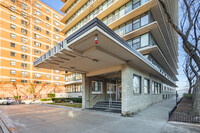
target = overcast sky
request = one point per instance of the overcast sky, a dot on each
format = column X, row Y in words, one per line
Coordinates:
column 182, row 83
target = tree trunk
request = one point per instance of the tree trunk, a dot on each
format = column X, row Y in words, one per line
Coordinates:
column 196, row 98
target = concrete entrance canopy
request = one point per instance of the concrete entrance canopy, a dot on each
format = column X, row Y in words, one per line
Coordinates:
column 79, row 53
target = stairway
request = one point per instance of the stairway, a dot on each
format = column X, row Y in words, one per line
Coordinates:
column 104, row 106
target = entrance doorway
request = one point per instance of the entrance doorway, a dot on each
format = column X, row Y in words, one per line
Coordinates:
column 114, row 89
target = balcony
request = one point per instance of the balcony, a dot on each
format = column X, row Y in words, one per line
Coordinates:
column 67, row 4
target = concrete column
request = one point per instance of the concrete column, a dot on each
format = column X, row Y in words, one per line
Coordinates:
column 85, row 92
column 105, row 90
column 127, row 89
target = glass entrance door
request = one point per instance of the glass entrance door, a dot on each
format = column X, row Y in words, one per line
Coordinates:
column 114, row 89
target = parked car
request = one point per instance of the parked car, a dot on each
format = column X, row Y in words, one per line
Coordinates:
column 5, row 101
column 12, row 99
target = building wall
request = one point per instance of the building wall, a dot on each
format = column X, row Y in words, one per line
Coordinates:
column 14, row 8
column 129, row 99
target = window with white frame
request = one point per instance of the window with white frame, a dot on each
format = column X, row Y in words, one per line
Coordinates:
column 37, row 21
column 97, row 86
column 12, row 36
column 13, row 80
column 55, row 43
column 47, row 25
column 47, row 18
column 24, row 6
column 37, row 52
column 47, row 47
column 37, row 44
column 12, row 8
column 57, row 30
column 37, row 13
column 136, row 84
column 56, row 23
column 25, row 23
column 56, row 16
column 24, row 73
column 47, row 39
column 57, row 71
column 12, row 63
column 24, row 14
column 12, row 54
column 56, row 83
column 37, row 75
column 57, row 37
column 47, row 32
column 12, row 44
column 47, row 11
column 38, row 5
column 24, row 65
column 24, row 81
column 12, row 26
column 24, row 31
column 47, row 76
column 24, row 57
column 12, row 72
column 24, row 48
column 56, row 77
column 24, row 40
column 37, row 28
column 37, row 36
column 12, row 17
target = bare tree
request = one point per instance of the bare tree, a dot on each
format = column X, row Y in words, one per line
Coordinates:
column 189, row 31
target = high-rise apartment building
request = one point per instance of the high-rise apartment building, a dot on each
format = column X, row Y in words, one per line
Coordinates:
column 125, row 50
column 28, row 29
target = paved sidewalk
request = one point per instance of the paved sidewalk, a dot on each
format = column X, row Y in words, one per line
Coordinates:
column 45, row 119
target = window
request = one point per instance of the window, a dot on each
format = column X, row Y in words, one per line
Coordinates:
column 144, row 19
column 37, row 13
column 47, row 18
column 37, row 52
column 12, row 63
column 47, row 39
column 57, row 37
column 47, row 83
column 37, row 21
column 47, row 32
column 24, row 81
column 129, row 7
column 24, row 40
column 12, row 80
column 57, row 30
column 56, row 83
column 56, row 16
column 24, row 57
column 136, row 84
column 57, row 71
column 47, row 25
column 12, row 72
column 24, row 48
column 37, row 36
column 12, row 17
column 13, row 1
column 12, row 54
column 122, row 30
column 24, row 74
column 37, row 44
column 24, row 65
column 129, row 26
column 37, row 75
column 47, row 76
column 55, row 43
column 144, row 40
column 47, row 10
column 12, row 26
column 136, row 42
column 24, row 14
column 47, row 47
column 56, row 77
column 24, row 31
column 96, row 86
column 56, row 23
column 136, row 3
column 37, row 28
column 24, row 6
column 12, row 45
column 12, row 8
column 24, row 22
column 37, row 82
column 136, row 23
column 38, row 5
column 12, row 36
column 122, row 11
column 146, row 86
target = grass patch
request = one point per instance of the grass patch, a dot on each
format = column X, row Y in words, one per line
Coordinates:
column 47, row 99
column 75, row 105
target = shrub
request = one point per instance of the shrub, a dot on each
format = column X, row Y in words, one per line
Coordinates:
column 186, row 95
column 17, row 97
column 61, row 100
column 45, row 99
column 51, row 95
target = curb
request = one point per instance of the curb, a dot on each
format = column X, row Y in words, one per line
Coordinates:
column 65, row 107
column 4, row 127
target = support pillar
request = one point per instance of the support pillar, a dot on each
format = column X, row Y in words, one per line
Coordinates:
column 85, row 92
